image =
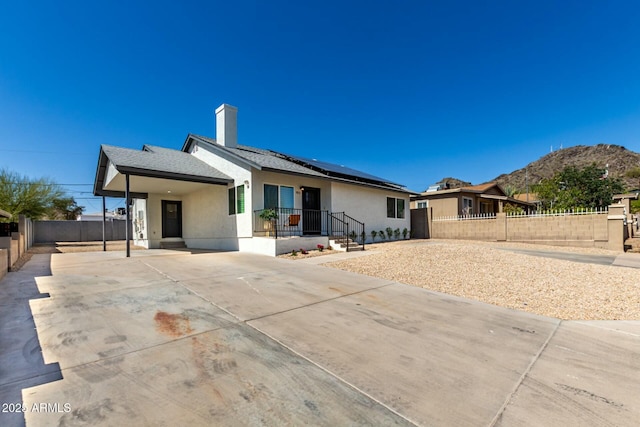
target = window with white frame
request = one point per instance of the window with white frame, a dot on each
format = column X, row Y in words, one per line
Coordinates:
column 424, row 204
column 395, row 207
column 278, row 196
column 467, row 206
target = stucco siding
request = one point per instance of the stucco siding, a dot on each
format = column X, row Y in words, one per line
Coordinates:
column 111, row 173
column 241, row 176
column 263, row 177
column 223, row 162
column 444, row 207
column 369, row 205
column 205, row 217
column 154, row 216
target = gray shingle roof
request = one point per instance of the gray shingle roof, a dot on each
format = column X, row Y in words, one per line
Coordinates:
column 264, row 158
column 162, row 160
column 273, row 160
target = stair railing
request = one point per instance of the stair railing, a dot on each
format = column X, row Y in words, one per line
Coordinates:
column 345, row 226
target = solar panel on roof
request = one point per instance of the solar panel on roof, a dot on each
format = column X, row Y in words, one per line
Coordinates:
column 339, row 169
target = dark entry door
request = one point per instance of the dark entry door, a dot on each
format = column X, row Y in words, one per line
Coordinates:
column 171, row 218
column 311, row 217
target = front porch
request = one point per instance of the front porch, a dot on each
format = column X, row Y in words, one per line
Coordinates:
column 286, row 229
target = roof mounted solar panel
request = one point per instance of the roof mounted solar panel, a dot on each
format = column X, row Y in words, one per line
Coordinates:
column 338, row 170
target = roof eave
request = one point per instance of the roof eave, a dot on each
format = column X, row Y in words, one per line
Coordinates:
column 127, row 170
column 221, row 149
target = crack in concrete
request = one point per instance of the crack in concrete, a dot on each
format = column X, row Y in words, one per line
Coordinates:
column 524, row 375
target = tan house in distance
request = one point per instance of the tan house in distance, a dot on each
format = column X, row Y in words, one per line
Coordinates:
column 484, row 199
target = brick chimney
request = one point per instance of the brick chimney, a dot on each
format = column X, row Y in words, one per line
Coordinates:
column 227, row 126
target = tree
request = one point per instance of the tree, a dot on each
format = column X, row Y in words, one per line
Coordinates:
column 65, row 208
column 510, row 191
column 578, row 188
column 34, row 198
column 634, row 173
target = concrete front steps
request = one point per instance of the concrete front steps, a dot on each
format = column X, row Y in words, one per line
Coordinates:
column 340, row 244
column 173, row 244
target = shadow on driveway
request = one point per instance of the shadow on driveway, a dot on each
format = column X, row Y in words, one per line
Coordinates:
column 21, row 362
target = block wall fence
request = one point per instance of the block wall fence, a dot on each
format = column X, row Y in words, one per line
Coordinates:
column 600, row 230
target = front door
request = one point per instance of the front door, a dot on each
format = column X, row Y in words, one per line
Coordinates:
column 311, row 216
column 171, row 218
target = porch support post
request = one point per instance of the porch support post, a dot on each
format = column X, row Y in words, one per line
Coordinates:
column 126, row 227
column 104, row 224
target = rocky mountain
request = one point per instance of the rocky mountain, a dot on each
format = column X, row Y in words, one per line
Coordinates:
column 450, row 182
column 619, row 159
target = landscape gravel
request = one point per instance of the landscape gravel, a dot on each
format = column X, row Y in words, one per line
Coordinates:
column 485, row 271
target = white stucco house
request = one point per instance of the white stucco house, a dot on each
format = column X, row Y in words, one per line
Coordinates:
column 212, row 192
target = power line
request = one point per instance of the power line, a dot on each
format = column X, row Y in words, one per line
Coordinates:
column 49, row 183
column 66, row 153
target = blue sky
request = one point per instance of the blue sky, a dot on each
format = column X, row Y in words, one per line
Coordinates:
column 413, row 91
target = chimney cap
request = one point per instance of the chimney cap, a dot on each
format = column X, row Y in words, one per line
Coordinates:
column 226, row 107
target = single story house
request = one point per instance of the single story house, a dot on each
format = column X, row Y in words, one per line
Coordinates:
column 475, row 200
column 218, row 194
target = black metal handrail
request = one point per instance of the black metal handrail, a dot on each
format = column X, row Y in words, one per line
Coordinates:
column 342, row 225
column 287, row 222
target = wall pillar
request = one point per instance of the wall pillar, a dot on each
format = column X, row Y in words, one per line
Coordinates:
column 615, row 228
column 501, row 227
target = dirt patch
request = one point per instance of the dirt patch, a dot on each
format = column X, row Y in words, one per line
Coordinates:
column 309, row 254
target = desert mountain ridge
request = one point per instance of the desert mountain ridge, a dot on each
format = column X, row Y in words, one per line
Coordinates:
column 618, row 158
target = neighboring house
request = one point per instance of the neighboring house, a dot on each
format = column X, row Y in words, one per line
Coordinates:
column 485, row 199
column 211, row 195
column 532, row 198
column 98, row 216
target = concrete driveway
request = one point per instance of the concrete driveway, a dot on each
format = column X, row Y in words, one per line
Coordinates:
column 172, row 338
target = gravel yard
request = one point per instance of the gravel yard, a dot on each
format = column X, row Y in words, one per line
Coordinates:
column 486, row 272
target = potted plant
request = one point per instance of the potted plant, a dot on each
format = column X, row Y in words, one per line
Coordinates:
column 269, row 216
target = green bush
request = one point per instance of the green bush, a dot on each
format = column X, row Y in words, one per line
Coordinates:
column 389, row 233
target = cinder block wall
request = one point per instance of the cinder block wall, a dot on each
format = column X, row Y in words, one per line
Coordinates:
column 77, row 231
column 569, row 230
column 472, row 229
column 4, row 262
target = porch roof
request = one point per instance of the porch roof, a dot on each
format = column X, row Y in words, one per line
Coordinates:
column 5, row 214
column 156, row 167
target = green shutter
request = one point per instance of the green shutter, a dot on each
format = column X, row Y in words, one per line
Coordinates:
column 240, row 199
